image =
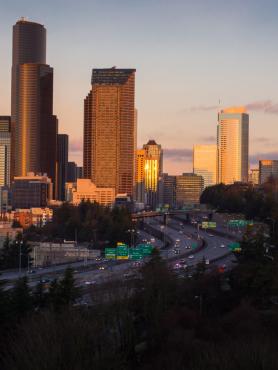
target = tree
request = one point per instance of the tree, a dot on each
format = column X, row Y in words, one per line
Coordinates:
column 21, row 299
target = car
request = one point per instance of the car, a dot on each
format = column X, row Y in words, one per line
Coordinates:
column 211, row 235
column 177, row 240
column 191, row 256
column 89, row 282
column 183, row 260
column 101, row 267
column 98, row 258
column 31, row 271
column 181, row 232
column 222, row 246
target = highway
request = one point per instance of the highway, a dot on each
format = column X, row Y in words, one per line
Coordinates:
column 185, row 240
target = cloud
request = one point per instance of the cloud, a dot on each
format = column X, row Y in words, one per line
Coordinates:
column 265, row 106
column 177, row 155
column 76, row 145
column 254, row 158
column 203, row 108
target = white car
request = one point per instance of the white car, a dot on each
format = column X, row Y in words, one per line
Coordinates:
column 222, row 246
column 191, row 256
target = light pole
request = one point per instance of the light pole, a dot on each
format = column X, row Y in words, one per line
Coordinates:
column 131, row 231
column 20, row 253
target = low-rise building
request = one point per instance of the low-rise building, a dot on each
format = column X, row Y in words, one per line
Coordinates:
column 86, row 190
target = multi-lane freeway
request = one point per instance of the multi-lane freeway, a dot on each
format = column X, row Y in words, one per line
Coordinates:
column 188, row 245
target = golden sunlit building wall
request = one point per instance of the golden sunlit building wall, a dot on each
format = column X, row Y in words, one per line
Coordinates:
column 205, row 163
column 140, row 176
column 233, row 145
column 153, row 171
column 110, row 130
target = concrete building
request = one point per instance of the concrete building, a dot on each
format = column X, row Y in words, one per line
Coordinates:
column 86, row 190
column 188, row 189
column 254, row 176
column 153, row 172
column 268, row 168
column 33, row 125
column 31, row 191
column 62, row 164
column 110, row 130
column 233, row 142
column 205, row 163
column 168, row 191
column 71, row 172
column 5, row 150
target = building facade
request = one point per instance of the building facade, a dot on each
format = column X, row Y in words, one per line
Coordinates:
column 205, row 163
column 268, row 168
column 168, row 191
column 188, row 189
column 5, row 150
column 62, row 164
column 254, row 176
column 233, row 145
column 33, row 125
column 86, row 190
column 31, row 191
column 153, row 172
column 110, row 130
column 140, row 176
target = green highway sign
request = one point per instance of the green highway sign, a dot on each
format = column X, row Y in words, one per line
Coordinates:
column 234, row 247
column 110, row 253
column 146, row 249
column 194, row 245
column 240, row 223
column 135, row 254
column 122, row 252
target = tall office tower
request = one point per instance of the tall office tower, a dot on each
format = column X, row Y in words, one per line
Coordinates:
column 168, row 191
column 5, row 150
column 205, row 163
column 268, row 168
column 153, row 172
column 188, row 189
column 109, row 130
column 140, row 176
column 233, row 142
column 62, row 164
column 254, row 176
column 34, row 127
column 71, row 172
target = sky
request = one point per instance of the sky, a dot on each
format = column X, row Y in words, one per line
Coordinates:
column 192, row 58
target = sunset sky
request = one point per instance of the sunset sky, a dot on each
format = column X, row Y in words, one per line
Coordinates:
column 192, row 59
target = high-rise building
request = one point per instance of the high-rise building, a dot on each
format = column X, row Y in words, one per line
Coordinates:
column 254, row 176
column 71, row 172
column 109, row 130
column 140, row 176
column 268, row 168
column 168, row 191
column 34, row 127
column 205, row 163
column 188, row 189
column 79, row 172
column 5, row 150
column 62, row 164
column 153, row 171
column 233, row 141
column 31, row 191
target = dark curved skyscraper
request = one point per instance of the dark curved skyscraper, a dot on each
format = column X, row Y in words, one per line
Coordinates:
column 34, row 128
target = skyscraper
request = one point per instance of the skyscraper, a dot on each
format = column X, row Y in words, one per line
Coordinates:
column 34, row 127
column 140, row 176
column 153, row 171
column 5, row 150
column 268, row 168
column 188, row 189
column 109, row 130
column 62, row 164
column 205, row 163
column 233, row 141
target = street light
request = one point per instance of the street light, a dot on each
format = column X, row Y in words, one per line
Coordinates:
column 132, row 232
column 20, row 253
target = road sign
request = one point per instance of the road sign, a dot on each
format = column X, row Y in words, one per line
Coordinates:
column 194, row 245
column 122, row 252
column 205, row 225
column 211, row 225
column 240, row 223
column 135, row 254
column 110, row 253
column 234, row 247
column 146, row 249
column 121, row 243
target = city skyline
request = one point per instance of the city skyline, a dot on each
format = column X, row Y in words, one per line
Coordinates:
column 197, row 80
